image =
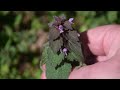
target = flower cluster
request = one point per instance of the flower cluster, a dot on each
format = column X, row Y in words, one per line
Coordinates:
column 61, row 31
column 60, row 27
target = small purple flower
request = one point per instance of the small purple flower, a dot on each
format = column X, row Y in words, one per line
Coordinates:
column 71, row 20
column 65, row 51
column 61, row 28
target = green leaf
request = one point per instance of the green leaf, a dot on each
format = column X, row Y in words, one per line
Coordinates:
column 54, row 58
column 61, row 73
column 37, row 74
column 72, row 56
column 44, row 57
column 64, row 71
column 52, row 61
column 48, row 54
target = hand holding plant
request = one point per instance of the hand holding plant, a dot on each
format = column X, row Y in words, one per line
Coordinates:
column 103, row 42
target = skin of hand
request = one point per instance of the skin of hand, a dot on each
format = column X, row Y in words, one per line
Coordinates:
column 104, row 43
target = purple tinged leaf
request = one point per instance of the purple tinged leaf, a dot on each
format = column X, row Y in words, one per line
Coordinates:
column 73, row 36
column 57, row 19
column 76, row 48
column 53, row 33
column 56, row 45
column 67, row 25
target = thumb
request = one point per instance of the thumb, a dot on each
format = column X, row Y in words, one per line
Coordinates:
column 43, row 75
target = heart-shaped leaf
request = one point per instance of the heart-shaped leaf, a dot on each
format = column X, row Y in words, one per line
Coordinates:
column 76, row 48
column 51, row 63
column 54, row 58
column 73, row 36
column 56, row 45
column 53, row 33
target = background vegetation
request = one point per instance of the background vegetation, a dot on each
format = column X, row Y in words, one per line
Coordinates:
column 23, row 33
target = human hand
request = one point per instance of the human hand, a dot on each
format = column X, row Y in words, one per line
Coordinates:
column 104, row 43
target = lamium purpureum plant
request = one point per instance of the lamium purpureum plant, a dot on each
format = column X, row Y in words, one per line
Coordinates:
column 63, row 50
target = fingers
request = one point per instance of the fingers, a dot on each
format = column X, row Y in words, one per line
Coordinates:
column 43, row 75
column 108, row 69
column 102, row 58
column 43, row 68
column 101, row 41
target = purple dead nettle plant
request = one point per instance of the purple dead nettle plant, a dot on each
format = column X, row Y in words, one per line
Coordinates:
column 63, row 50
column 59, row 25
